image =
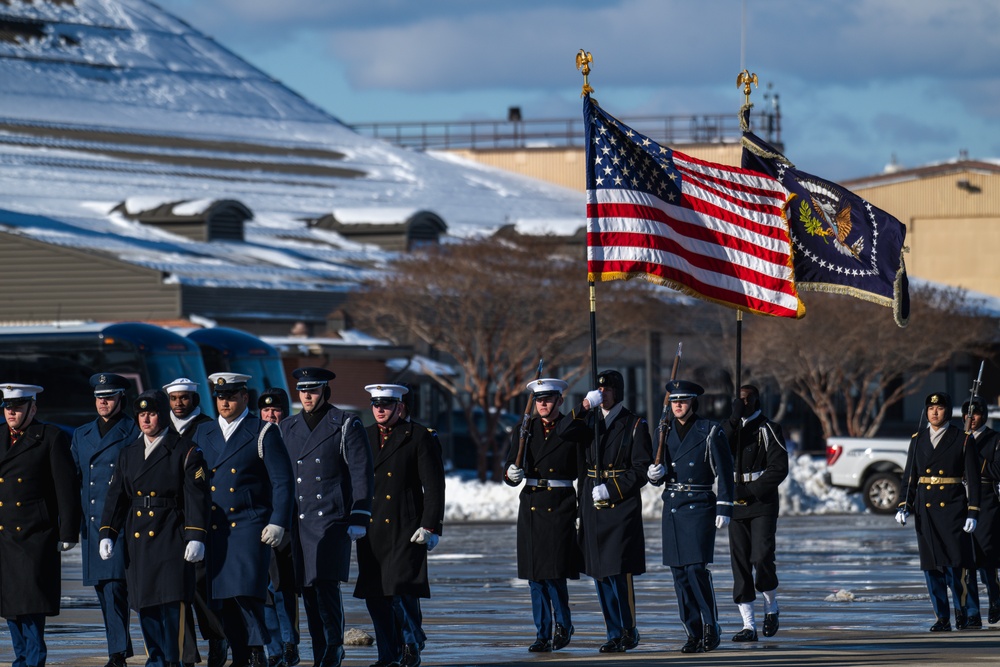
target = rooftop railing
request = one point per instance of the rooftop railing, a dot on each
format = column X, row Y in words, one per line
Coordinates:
column 567, row 133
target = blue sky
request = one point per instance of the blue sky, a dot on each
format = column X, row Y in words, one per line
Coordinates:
column 860, row 81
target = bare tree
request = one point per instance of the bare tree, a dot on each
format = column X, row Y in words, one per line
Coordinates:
column 495, row 307
column 849, row 362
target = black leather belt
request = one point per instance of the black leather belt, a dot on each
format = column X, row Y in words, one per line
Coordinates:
column 146, row 501
column 688, row 487
column 549, row 483
column 606, row 474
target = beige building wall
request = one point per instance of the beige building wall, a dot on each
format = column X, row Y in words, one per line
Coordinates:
column 952, row 232
column 565, row 166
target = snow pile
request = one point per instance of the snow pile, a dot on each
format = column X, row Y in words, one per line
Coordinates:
column 803, row 492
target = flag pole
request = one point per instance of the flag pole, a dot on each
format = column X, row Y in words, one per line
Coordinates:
column 583, row 60
column 745, row 78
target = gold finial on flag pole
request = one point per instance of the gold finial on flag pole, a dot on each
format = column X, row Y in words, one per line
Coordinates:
column 583, row 60
column 745, row 78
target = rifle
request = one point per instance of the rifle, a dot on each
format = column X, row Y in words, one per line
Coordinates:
column 664, row 428
column 523, row 438
column 973, row 395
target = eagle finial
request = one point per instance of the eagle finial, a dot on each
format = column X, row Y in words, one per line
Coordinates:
column 583, row 60
column 745, row 78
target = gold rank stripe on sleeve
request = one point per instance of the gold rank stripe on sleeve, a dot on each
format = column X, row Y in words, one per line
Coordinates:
column 195, row 528
column 109, row 528
column 199, row 473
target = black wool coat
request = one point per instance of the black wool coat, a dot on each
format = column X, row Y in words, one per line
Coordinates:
column 612, row 538
column 546, row 519
column 941, row 508
column 758, row 450
column 409, row 494
column 154, row 507
column 39, row 507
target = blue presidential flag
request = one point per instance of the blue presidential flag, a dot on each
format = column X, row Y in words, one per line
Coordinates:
column 841, row 243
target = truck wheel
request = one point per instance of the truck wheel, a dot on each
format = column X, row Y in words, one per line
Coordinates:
column 881, row 492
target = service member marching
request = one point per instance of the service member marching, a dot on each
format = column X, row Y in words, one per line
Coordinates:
column 547, row 550
column 333, row 483
column 185, row 411
column 95, row 449
column 252, row 505
column 698, row 456
column 157, row 514
column 406, row 523
column 611, row 535
column 761, row 464
column 986, row 537
column 39, row 517
column 937, row 466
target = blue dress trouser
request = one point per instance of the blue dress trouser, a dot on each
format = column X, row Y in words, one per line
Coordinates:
column 325, row 619
column 27, row 635
column 616, row 596
column 161, row 630
column 549, row 600
column 112, row 594
column 696, row 599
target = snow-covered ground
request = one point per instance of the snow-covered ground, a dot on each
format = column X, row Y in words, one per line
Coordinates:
column 803, row 492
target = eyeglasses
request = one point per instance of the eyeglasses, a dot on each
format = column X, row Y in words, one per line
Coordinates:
column 383, row 403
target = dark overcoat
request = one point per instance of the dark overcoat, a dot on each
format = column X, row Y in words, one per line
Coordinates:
column 611, row 537
column 39, row 507
column 940, row 508
column 252, row 487
column 700, row 459
column 546, row 518
column 409, row 494
column 95, row 458
column 760, row 461
column 154, row 507
column 333, row 486
column 986, row 537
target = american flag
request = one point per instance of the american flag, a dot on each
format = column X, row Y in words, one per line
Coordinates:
column 709, row 230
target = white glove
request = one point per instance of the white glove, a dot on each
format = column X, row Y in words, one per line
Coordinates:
column 601, row 492
column 66, row 546
column 593, row 398
column 721, row 522
column 656, row 472
column 194, row 551
column 356, row 532
column 515, row 474
column 106, row 548
column 421, row 536
column 271, row 535
column 432, row 542
column 970, row 525
column 901, row 517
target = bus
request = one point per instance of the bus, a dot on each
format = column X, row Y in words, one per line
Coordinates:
column 61, row 358
column 227, row 350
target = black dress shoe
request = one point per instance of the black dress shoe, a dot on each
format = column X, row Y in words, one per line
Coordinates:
column 692, row 645
column 942, row 625
column 116, row 660
column 994, row 614
column 630, row 639
column 746, row 635
column 770, row 624
column 257, row 657
column 217, row 650
column 384, row 663
column 612, row 646
column 973, row 623
column 276, row 661
column 711, row 640
column 541, row 646
column 411, row 656
column 561, row 636
column 290, row 653
column 960, row 620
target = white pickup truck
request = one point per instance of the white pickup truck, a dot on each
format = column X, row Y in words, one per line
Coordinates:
column 872, row 465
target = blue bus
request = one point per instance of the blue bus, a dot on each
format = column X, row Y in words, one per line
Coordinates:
column 225, row 350
column 62, row 358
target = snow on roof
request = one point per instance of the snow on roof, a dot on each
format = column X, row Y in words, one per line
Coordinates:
column 112, row 101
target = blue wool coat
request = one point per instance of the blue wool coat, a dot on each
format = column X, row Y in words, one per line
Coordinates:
column 249, row 491
column 95, row 458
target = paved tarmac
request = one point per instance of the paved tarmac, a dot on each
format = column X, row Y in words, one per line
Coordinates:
column 481, row 615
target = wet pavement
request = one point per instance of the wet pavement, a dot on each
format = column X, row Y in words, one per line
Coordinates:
column 481, row 615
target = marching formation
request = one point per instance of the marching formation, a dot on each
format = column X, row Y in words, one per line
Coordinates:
column 225, row 523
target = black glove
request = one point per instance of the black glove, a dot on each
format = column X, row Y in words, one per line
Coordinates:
column 737, row 412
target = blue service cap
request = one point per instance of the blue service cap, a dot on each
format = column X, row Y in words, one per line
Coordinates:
column 108, row 384
column 683, row 390
column 310, row 377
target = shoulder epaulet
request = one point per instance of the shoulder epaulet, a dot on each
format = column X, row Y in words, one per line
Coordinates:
column 915, row 434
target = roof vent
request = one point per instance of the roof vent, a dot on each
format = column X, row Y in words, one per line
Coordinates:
column 197, row 220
